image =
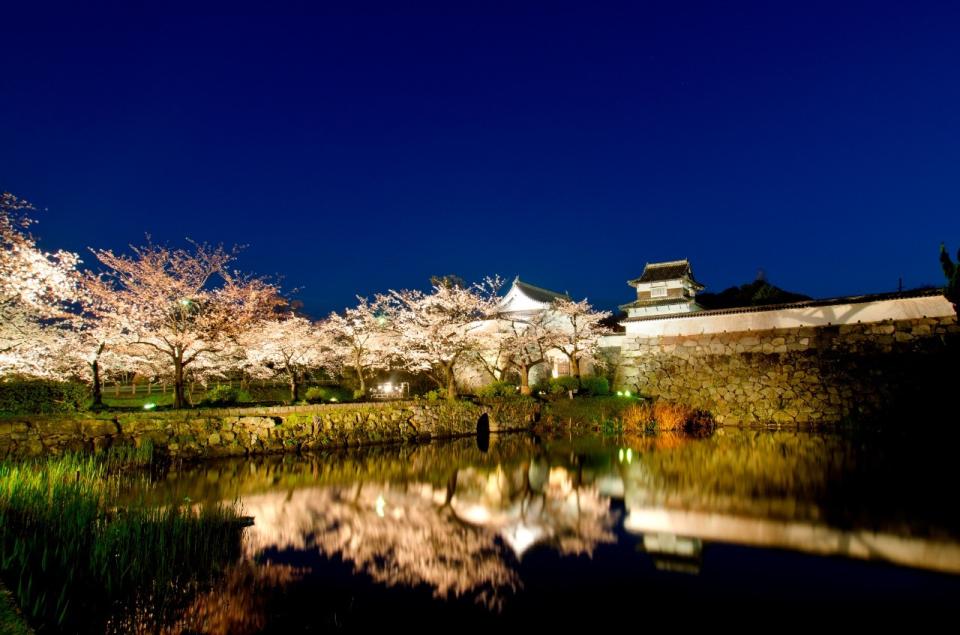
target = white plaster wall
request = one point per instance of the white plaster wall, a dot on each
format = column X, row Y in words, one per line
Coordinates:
column 878, row 311
column 681, row 306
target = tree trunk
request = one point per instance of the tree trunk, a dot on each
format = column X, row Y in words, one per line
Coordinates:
column 294, row 388
column 178, row 384
column 451, row 382
column 524, row 379
column 363, row 381
column 97, row 387
column 574, row 367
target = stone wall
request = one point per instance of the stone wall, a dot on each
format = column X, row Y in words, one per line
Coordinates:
column 244, row 431
column 804, row 375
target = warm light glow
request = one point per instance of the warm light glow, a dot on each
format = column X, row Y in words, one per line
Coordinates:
column 149, row 406
column 333, row 399
column 380, row 505
column 521, row 537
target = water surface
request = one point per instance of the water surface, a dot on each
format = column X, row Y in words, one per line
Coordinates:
column 551, row 532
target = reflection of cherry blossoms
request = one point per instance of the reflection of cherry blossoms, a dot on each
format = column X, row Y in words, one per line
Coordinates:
column 449, row 538
column 397, row 535
column 535, row 505
column 236, row 605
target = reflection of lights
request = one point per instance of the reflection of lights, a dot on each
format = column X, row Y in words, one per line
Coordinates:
column 619, row 393
column 625, row 454
column 672, row 544
column 620, row 455
column 149, row 406
column 626, row 393
column 476, row 514
column 629, row 455
column 380, row 505
column 520, row 537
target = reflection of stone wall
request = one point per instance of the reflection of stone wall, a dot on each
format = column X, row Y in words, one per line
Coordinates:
column 804, row 375
column 243, row 431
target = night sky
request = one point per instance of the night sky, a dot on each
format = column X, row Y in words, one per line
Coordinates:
column 360, row 151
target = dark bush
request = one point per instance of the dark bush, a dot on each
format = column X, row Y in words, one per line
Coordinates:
column 324, row 394
column 594, row 386
column 40, row 396
column 225, row 396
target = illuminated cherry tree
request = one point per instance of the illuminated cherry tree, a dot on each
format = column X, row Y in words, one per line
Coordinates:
column 527, row 342
column 185, row 307
column 37, row 289
column 290, row 347
column 437, row 330
column 362, row 337
column 495, row 355
column 579, row 329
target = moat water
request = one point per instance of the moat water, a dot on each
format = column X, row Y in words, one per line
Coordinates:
column 537, row 532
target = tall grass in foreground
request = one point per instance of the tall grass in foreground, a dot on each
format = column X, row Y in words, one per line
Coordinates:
column 70, row 556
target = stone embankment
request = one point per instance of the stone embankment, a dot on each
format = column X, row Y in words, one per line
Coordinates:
column 197, row 434
column 793, row 376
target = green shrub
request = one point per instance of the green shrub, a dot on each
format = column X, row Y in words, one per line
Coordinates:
column 325, row 394
column 434, row 395
column 498, row 389
column 225, row 396
column 560, row 385
column 594, row 386
column 40, row 396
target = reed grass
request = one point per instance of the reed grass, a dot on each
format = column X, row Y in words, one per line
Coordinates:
column 70, row 555
column 663, row 416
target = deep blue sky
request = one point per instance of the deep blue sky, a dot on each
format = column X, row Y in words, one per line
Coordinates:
column 355, row 152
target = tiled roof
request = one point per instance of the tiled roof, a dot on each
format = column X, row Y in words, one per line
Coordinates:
column 852, row 299
column 539, row 294
column 661, row 271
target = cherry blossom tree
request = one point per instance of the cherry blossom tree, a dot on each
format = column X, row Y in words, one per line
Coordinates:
column 184, row 306
column 438, row 329
column 291, row 346
column 579, row 329
column 362, row 337
column 37, row 288
column 494, row 357
column 527, row 342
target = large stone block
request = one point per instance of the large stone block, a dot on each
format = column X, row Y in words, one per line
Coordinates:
column 94, row 428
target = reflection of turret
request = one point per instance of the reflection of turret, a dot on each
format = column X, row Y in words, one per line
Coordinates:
column 675, row 553
column 810, row 537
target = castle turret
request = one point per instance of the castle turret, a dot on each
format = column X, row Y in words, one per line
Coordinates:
column 664, row 288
